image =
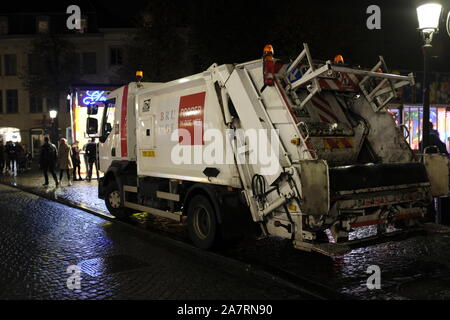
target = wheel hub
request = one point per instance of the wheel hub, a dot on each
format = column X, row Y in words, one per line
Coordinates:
column 114, row 199
column 202, row 222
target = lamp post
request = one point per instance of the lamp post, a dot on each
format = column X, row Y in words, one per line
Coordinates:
column 428, row 14
column 447, row 24
column 53, row 114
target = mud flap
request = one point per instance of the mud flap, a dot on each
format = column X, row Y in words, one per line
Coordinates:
column 315, row 185
column 437, row 166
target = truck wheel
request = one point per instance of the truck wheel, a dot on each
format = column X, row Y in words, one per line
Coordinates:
column 113, row 201
column 202, row 222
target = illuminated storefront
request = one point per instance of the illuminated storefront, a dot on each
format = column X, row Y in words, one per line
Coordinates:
column 81, row 97
column 10, row 134
column 412, row 118
column 411, row 112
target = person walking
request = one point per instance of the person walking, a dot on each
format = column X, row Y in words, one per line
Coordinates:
column 76, row 161
column 21, row 159
column 64, row 159
column 91, row 152
column 47, row 160
column 2, row 157
column 11, row 156
column 29, row 158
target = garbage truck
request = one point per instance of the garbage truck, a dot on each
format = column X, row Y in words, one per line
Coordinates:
column 306, row 151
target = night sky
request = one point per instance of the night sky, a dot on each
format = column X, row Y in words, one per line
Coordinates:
column 236, row 31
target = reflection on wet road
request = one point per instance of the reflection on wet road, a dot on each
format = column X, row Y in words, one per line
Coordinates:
column 415, row 268
column 40, row 239
column 410, row 268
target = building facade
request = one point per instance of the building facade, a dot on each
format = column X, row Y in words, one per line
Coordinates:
column 24, row 116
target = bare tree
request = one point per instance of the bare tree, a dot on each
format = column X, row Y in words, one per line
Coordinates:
column 53, row 66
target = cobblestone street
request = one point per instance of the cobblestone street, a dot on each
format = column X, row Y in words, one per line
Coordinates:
column 40, row 239
column 412, row 268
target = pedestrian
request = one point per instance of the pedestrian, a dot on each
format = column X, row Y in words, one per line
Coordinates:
column 85, row 157
column 64, row 159
column 91, row 152
column 11, row 156
column 434, row 142
column 2, row 157
column 29, row 158
column 76, row 161
column 21, row 157
column 47, row 160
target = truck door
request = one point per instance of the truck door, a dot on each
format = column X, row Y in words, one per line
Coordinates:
column 146, row 128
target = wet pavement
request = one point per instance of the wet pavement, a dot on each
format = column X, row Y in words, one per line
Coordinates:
column 81, row 192
column 411, row 268
column 40, row 239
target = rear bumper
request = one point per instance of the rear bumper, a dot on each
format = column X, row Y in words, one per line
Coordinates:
column 368, row 186
column 374, row 176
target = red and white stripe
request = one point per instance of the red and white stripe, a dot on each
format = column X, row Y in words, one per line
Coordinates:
column 325, row 111
column 347, row 82
column 123, row 123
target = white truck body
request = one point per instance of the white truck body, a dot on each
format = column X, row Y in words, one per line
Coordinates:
column 338, row 160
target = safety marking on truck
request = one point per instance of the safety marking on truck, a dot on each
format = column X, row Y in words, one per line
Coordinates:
column 123, row 123
column 338, row 143
column 148, row 153
column 345, row 82
column 324, row 109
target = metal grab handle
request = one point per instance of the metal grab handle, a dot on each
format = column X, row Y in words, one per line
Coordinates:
column 303, row 124
column 312, row 152
column 403, row 126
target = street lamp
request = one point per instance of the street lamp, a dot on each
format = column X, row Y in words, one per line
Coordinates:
column 448, row 24
column 428, row 15
column 53, row 114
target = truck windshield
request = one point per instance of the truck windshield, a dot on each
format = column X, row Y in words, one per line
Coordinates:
column 108, row 118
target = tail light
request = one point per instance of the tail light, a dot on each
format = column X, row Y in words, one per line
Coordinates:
column 268, row 65
column 339, row 59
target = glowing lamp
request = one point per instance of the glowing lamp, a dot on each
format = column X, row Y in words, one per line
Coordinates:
column 428, row 15
column 339, row 59
column 53, row 114
column 268, row 66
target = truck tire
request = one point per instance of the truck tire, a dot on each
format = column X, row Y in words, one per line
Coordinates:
column 202, row 222
column 113, row 201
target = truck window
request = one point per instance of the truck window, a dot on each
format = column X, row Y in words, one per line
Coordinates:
column 108, row 118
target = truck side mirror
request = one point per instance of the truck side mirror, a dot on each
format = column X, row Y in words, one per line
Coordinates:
column 91, row 126
column 92, row 110
column 108, row 128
